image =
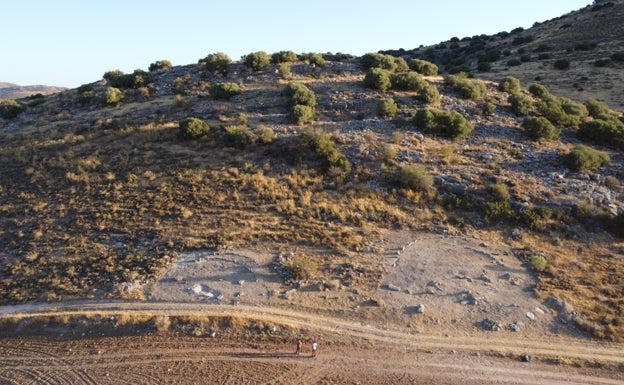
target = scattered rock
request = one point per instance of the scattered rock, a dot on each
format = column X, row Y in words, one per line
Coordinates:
column 516, row 326
column 530, row 316
column 420, row 309
column 392, row 287
column 488, row 324
column 526, row 358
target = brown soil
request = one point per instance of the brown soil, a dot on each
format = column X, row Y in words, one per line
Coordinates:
column 367, row 334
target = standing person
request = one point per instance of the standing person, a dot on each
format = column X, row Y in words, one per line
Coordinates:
column 314, row 347
column 299, row 345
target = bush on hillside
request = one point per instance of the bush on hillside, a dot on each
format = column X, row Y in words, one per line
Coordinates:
column 10, row 109
column 302, row 102
column 160, row 65
column 224, row 91
column 108, row 75
column 298, row 93
column 520, row 104
column 597, row 109
column 488, row 108
column 413, row 177
column 562, row 64
column 407, row 81
column 608, row 132
column 539, row 90
column 467, row 89
column 383, row 61
column 423, row 67
column 386, row 107
column 583, row 157
column 324, row 144
column 538, row 128
column 137, row 79
column 449, row 124
column 509, row 84
column 315, row 59
column 237, row 136
column 284, row 57
column 193, row 128
column 618, row 56
column 499, row 192
column 257, row 60
column 428, row 93
column 217, row 63
column 301, row 114
column 562, row 111
column 113, row 96
column 378, row 79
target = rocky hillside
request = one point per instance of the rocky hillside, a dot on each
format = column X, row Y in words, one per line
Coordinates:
column 578, row 55
column 102, row 186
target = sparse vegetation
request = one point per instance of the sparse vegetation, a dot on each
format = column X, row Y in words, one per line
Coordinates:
column 113, row 96
column 193, row 128
column 160, row 65
column 466, row 88
column 302, row 102
column 257, row 60
column 378, row 79
column 225, row 90
column 413, row 177
column 520, row 104
column 10, row 109
column 510, row 85
column 608, row 132
column 284, row 57
column 449, row 124
column 386, row 107
column 583, row 157
column 538, row 128
column 423, row 67
column 217, row 63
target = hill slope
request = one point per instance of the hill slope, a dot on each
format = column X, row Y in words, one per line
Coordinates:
column 14, row 91
column 587, row 39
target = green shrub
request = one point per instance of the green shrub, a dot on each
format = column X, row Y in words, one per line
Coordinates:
column 513, row 62
column 237, row 136
column 302, row 102
column 484, row 67
column 383, row 61
column 301, row 114
column 538, row 127
column 137, row 79
column 562, row 64
column 387, row 153
column 509, row 84
column 488, row 108
column 538, row 262
column 428, row 93
column 423, row 67
column 467, row 89
column 407, row 81
column 257, row 60
column 602, row 62
column 323, row 143
column 10, row 109
column 386, row 107
column 284, row 57
column 108, row 75
column 520, row 104
column 596, row 109
column 496, row 211
column 562, row 111
column 315, row 59
column 413, row 177
column 265, row 135
column 583, row 157
column 609, row 132
column 539, row 90
column 378, row 79
column 298, row 93
column 225, row 90
column 180, row 83
column 217, row 63
column 450, row 124
column 113, row 96
column 284, row 69
column 499, row 192
column 300, row 268
column 160, row 65
column 85, row 93
column 193, row 128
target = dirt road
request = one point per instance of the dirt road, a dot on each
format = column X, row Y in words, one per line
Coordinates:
column 350, row 353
